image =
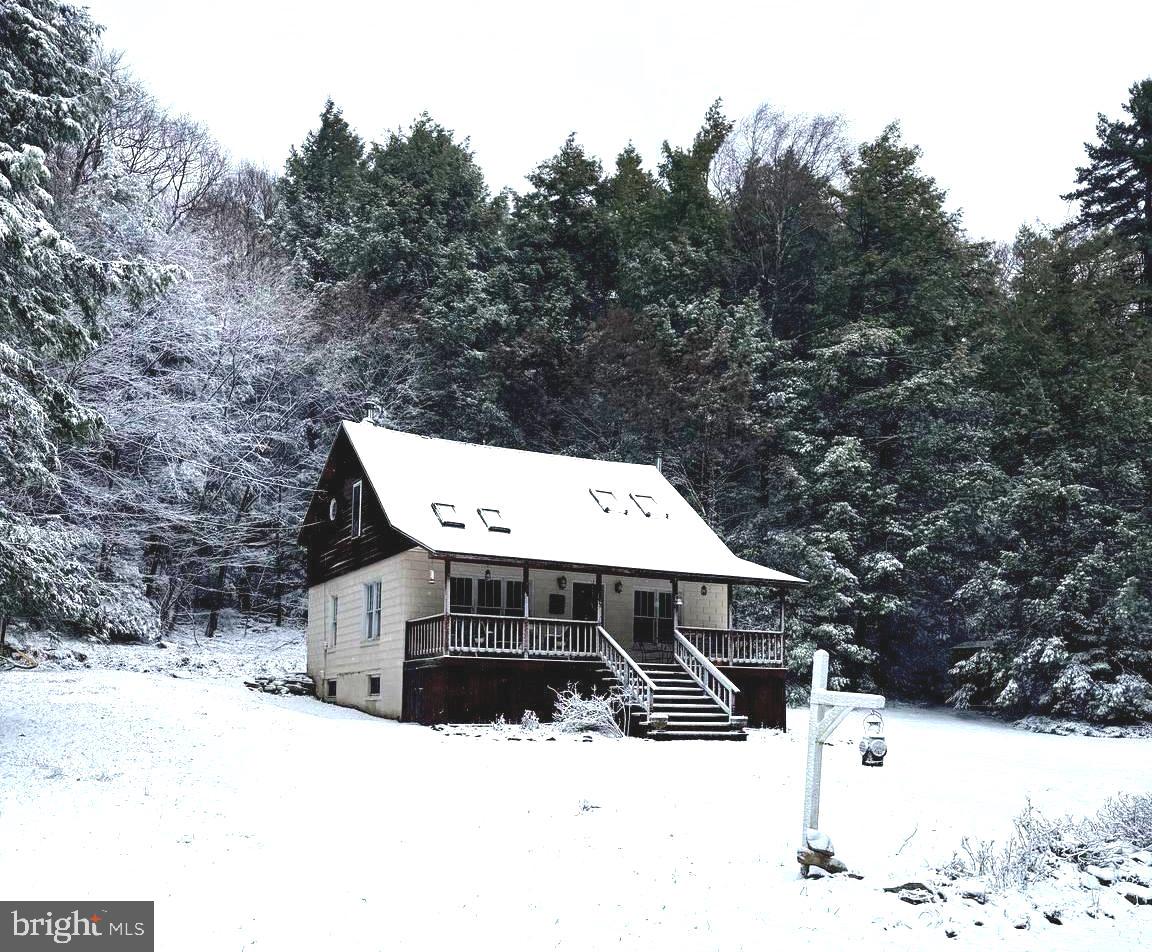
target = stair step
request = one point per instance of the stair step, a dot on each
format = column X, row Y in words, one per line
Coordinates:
column 660, row 698
column 697, row 735
column 697, row 723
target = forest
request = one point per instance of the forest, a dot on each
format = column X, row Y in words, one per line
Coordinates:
column 949, row 438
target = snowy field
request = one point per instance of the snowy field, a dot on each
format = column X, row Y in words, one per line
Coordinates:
column 261, row 822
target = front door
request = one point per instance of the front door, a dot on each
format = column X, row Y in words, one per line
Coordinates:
column 584, row 602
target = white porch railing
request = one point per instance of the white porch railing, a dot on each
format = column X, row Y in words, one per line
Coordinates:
column 501, row 635
column 704, row 672
column 630, row 675
column 738, row 646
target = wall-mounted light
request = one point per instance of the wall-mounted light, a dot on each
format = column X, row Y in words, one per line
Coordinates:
column 431, row 576
column 562, row 582
column 679, row 601
column 487, row 575
column 618, row 587
column 703, row 589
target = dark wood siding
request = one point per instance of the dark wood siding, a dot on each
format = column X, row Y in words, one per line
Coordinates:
column 332, row 550
column 761, row 695
column 477, row 691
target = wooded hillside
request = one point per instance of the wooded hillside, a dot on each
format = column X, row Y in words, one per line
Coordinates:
column 950, row 439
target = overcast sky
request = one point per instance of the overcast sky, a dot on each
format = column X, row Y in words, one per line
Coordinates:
column 1001, row 96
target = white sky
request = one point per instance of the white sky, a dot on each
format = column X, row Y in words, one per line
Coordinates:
column 1001, row 96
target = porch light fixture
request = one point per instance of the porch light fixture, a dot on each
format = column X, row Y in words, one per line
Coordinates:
column 618, row 587
column 431, row 576
column 679, row 601
column 487, row 575
column 703, row 589
column 562, row 582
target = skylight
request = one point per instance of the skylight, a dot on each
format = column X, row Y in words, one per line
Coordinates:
column 446, row 513
column 605, row 499
column 493, row 520
column 646, row 504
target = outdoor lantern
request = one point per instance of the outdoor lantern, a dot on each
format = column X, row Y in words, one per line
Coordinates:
column 679, row 601
column 487, row 574
column 703, row 589
column 873, row 747
column 562, row 582
column 431, row 576
column 618, row 587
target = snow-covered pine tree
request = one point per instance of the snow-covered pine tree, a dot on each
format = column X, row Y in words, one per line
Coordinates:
column 50, row 294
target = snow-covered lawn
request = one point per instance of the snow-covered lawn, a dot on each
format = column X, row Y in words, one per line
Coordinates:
column 260, row 822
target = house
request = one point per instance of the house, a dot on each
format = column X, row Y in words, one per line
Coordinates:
column 449, row 582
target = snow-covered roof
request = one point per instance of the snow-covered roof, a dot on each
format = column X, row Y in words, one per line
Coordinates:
column 471, row 501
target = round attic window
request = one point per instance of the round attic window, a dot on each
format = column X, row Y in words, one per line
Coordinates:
column 332, row 509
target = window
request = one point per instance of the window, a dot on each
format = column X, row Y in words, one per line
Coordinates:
column 557, row 604
column 651, row 616
column 646, row 504
column 372, row 610
column 460, row 597
column 514, row 598
column 334, row 611
column 373, row 685
column 492, row 519
column 605, row 499
column 357, row 499
column 332, row 688
column 446, row 513
column 488, row 596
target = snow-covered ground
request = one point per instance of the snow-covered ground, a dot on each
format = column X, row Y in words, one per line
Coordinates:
column 261, row 822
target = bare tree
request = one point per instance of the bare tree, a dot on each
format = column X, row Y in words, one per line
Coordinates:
column 776, row 173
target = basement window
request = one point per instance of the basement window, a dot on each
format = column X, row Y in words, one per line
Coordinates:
column 446, row 513
column 646, row 504
column 373, row 685
column 605, row 499
column 332, row 688
column 493, row 520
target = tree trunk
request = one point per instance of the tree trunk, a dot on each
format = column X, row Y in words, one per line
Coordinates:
column 3, row 632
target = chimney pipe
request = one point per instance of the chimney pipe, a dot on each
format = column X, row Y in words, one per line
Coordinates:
column 659, row 463
column 371, row 411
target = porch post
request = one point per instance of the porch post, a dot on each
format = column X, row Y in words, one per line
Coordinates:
column 675, row 606
column 447, row 605
column 600, row 599
column 524, row 640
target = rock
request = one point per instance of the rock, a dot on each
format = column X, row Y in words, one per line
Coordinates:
column 972, row 889
column 163, row 644
column 824, row 861
column 1102, row 874
column 1132, row 872
column 914, row 893
column 1143, row 856
column 1135, row 893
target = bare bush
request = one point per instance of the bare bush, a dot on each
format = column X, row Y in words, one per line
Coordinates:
column 1121, row 827
column 596, row 712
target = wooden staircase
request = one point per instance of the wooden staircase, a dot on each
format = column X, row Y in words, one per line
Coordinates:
column 692, row 714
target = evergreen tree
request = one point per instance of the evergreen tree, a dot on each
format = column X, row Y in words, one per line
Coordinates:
column 319, row 189
column 1115, row 188
column 50, row 295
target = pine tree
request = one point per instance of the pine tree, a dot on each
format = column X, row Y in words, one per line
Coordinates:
column 319, row 190
column 1115, row 188
column 50, row 295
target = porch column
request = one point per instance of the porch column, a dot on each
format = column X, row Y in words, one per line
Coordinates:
column 600, row 599
column 525, row 640
column 675, row 606
column 447, row 606
column 527, row 598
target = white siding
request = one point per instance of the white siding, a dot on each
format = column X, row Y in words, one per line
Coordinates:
column 406, row 594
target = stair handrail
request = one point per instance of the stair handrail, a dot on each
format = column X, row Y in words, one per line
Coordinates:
column 701, row 670
column 625, row 669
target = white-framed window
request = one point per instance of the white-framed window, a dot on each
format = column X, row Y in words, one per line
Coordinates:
column 373, row 685
column 334, row 613
column 357, row 513
column 372, row 610
column 331, row 688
